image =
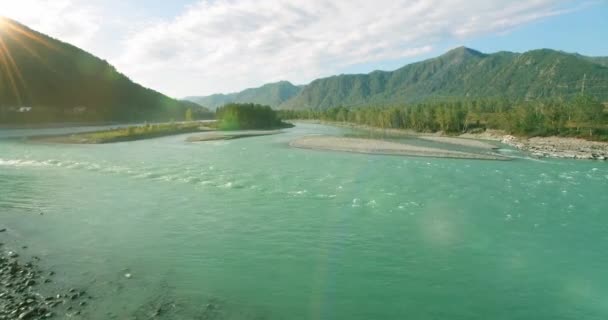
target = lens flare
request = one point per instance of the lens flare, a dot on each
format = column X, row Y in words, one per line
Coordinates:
column 15, row 36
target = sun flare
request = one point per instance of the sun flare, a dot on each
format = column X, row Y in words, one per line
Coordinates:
column 10, row 71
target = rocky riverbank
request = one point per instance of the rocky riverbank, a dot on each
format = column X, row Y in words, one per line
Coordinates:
column 548, row 147
column 559, row 147
column 21, row 287
column 541, row 147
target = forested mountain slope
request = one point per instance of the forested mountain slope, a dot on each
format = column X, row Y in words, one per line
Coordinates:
column 463, row 73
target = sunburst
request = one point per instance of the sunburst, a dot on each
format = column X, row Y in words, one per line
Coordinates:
column 23, row 37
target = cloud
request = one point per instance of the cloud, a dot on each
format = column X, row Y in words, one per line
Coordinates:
column 228, row 45
column 225, row 45
column 70, row 21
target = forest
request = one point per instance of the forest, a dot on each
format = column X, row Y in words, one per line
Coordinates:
column 582, row 116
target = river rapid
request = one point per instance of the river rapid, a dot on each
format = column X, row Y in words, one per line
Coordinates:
column 254, row 229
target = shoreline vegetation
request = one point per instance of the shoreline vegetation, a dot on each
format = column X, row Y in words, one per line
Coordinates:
column 57, row 125
column 575, row 128
column 141, row 132
column 579, row 117
column 376, row 146
column 234, row 121
column 132, row 133
column 539, row 147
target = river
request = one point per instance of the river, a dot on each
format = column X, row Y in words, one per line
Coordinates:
column 254, row 229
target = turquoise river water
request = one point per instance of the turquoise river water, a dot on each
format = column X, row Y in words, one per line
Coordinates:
column 260, row 230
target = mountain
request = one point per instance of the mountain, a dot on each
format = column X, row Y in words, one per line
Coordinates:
column 272, row 94
column 462, row 73
column 45, row 80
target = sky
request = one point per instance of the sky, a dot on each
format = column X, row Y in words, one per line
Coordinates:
column 199, row 47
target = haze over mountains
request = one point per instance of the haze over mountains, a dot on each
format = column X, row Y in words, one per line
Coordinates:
column 459, row 73
column 271, row 94
column 45, row 80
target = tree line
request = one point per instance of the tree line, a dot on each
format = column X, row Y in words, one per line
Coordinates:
column 580, row 116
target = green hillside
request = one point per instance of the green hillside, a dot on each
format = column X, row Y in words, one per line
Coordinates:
column 272, row 94
column 43, row 80
column 462, row 73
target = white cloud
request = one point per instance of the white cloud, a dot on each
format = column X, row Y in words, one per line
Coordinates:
column 70, row 21
column 226, row 45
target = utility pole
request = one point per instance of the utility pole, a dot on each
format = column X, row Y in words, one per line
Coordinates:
column 583, row 87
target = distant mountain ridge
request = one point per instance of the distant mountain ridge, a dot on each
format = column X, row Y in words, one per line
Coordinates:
column 44, row 80
column 460, row 73
column 271, row 94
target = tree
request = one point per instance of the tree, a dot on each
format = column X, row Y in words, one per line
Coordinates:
column 188, row 116
column 587, row 111
column 528, row 118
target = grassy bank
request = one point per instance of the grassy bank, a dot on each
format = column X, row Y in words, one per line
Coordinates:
column 133, row 133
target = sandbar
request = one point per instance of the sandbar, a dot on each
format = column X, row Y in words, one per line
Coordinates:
column 374, row 146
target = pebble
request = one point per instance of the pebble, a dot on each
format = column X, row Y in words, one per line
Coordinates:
column 19, row 296
column 556, row 147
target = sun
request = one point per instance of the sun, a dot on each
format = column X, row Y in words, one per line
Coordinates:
column 14, row 35
column 4, row 22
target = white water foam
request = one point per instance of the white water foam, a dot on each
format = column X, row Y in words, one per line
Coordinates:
column 172, row 176
column 22, row 163
column 298, row 192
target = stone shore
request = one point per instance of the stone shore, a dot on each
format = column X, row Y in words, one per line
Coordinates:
column 21, row 287
column 559, row 147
